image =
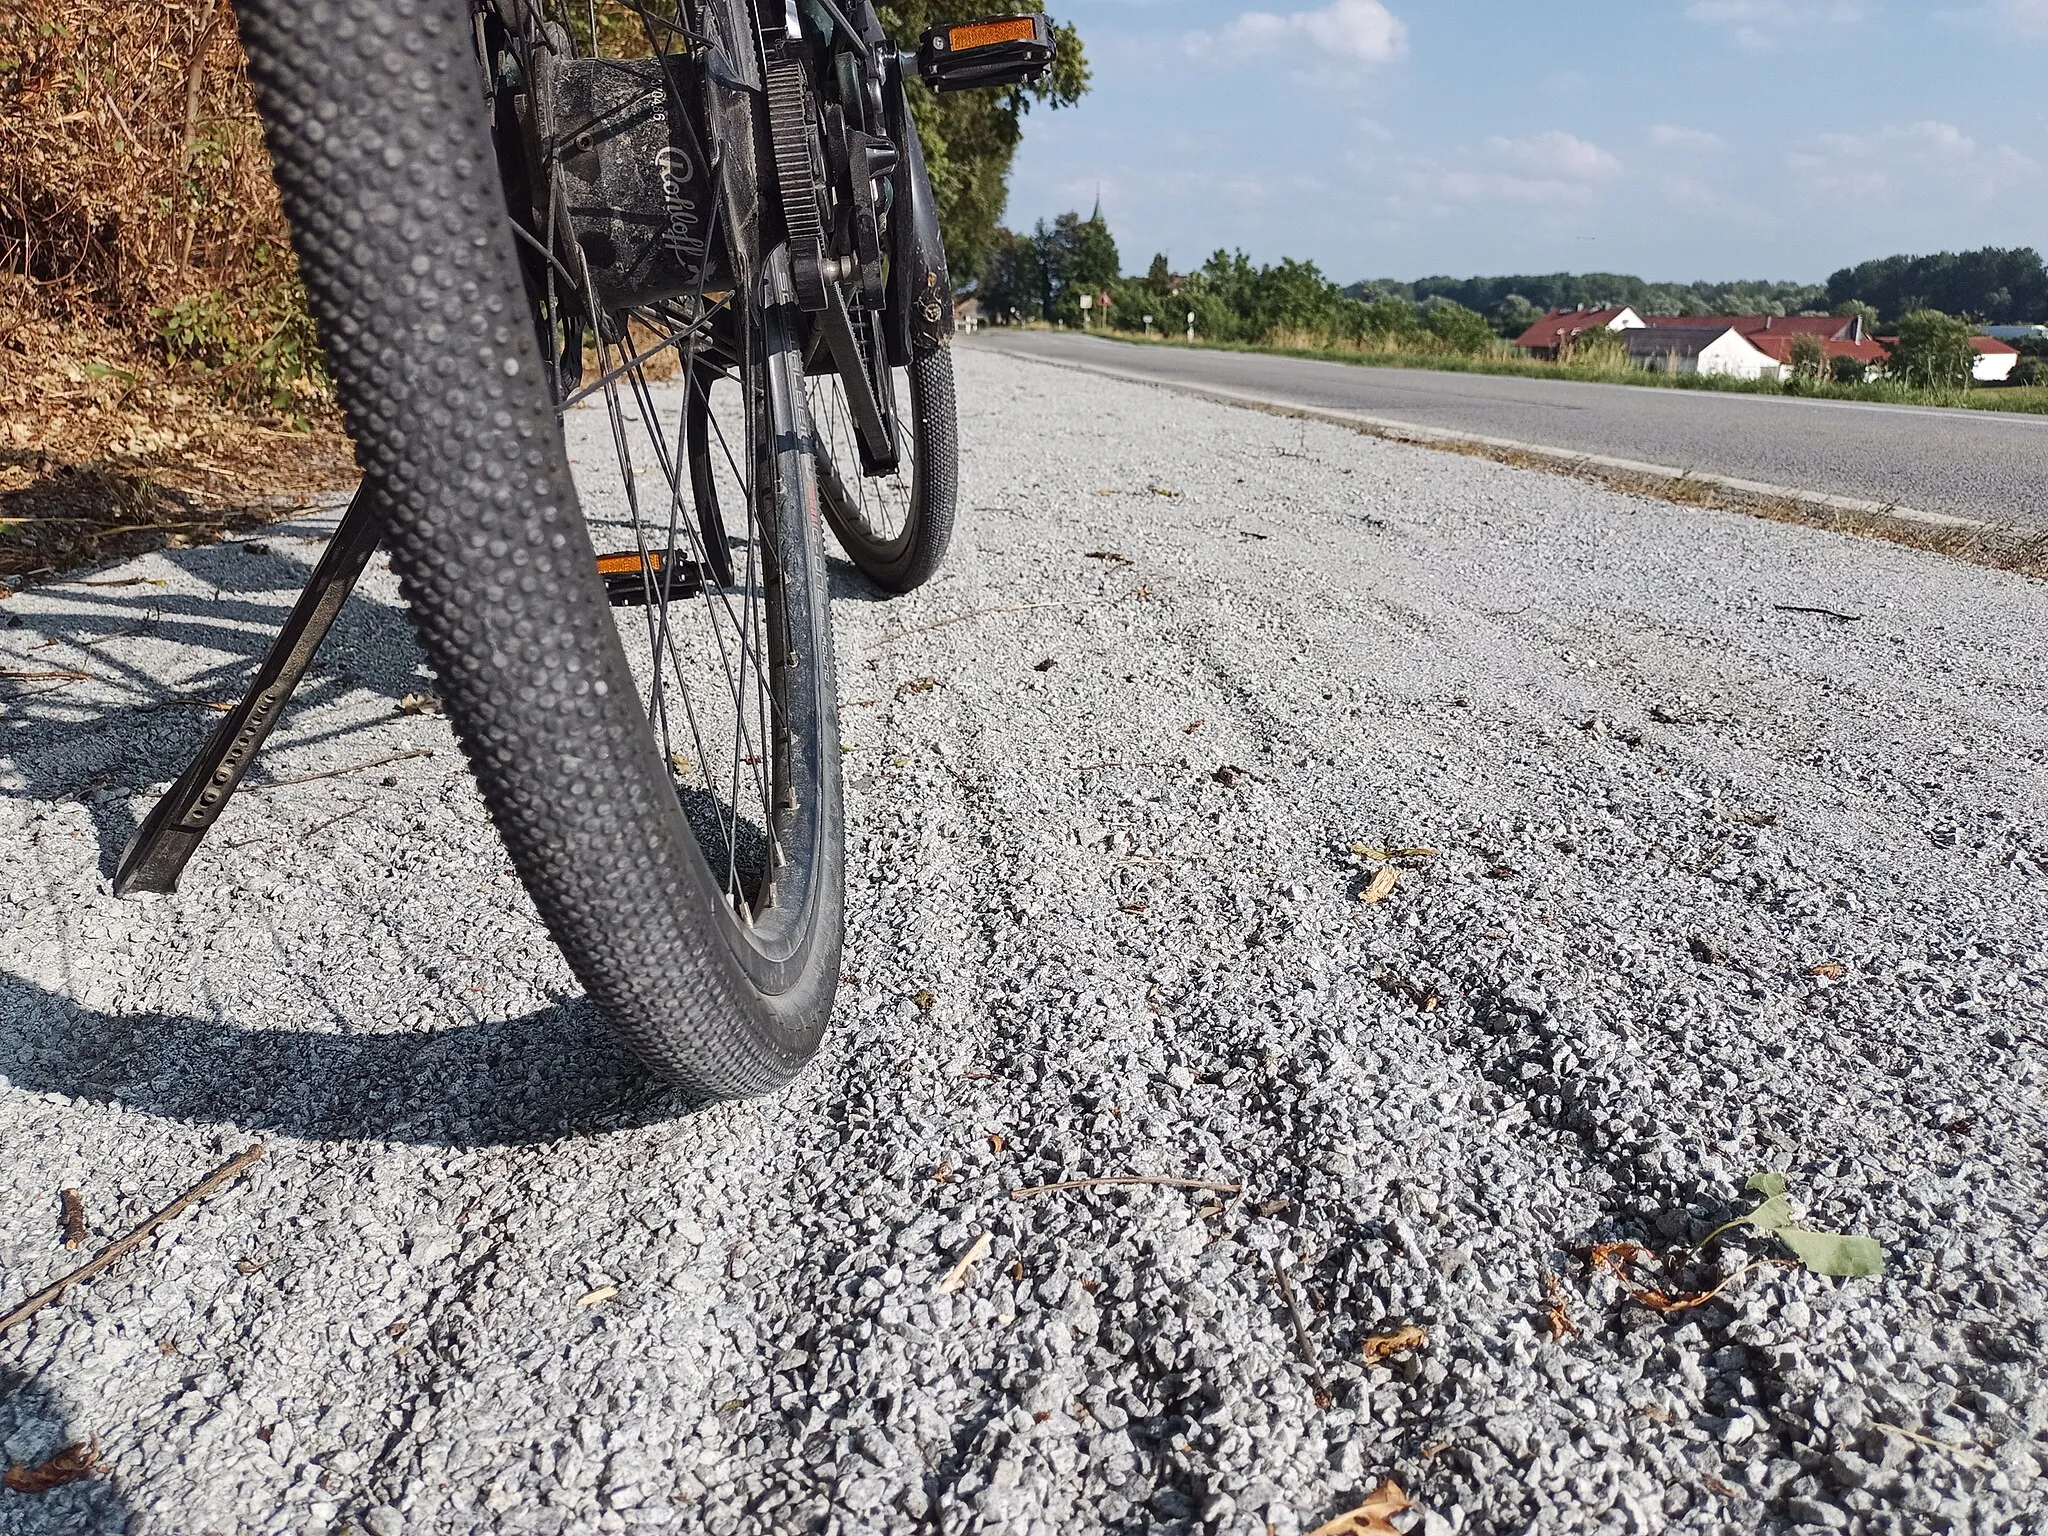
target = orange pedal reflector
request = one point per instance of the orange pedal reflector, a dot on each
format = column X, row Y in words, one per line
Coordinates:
column 631, row 579
column 979, row 34
column 992, row 52
column 629, row 564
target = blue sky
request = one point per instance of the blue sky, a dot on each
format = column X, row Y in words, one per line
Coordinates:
column 1676, row 139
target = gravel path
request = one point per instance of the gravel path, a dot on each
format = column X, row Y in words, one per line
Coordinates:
column 1720, row 888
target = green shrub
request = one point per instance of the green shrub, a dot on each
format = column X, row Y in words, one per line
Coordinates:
column 1809, row 358
column 1460, row 329
column 1848, row 370
column 1933, row 351
column 1599, row 348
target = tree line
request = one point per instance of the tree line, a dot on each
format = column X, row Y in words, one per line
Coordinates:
column 1042, row 275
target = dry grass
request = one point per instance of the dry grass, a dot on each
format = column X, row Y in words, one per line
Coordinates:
column 156, row 363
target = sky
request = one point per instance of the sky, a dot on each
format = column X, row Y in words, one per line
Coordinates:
column 1679, row 140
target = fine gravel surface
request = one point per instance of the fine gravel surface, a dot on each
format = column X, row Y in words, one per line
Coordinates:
column 1989, row 466
column 1717, row 888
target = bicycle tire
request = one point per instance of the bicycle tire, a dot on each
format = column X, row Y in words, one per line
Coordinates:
column 898, row 546
column 381, row 142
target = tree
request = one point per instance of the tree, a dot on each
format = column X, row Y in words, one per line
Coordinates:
column 1933, row 351
column 1849, row 308
column 1994, row 285
column 1460, row 329
column 1809, row 357
column 970, row 137
column 1013, row 278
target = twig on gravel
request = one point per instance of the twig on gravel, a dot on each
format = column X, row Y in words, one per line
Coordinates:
column 122, row 1246
column 1126, row 1178
column 1302, row 1341
column 37, row 677
column 335, row 773
column 1826, row 613
column 1968, row 1458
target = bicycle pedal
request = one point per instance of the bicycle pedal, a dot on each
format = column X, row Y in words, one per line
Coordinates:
column 997, row 50
column 631, row 579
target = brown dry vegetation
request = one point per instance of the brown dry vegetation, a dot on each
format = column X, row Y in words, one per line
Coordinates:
column 158, row 374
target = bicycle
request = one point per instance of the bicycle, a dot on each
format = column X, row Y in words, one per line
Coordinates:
column 696, row 236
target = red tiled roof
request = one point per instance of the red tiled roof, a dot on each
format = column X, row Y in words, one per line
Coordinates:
column 1993, row 346
column 1827, row 327
column 1560, row 325
column 1778, row 344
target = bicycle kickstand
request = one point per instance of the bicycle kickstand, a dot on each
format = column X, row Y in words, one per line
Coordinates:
column 171, row 833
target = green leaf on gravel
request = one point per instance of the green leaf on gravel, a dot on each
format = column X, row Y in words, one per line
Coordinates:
column 1824, row 1253
column 1831, row 1253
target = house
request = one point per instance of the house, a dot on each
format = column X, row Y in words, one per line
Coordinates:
column 1690, row 348
column 1778, row 345
column 1561, row 327
column 967, row 314
column 1996, row 359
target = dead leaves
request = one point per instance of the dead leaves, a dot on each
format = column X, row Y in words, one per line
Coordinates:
column 1821, row 1253
column 1372, row 1518
column 1380, row 886
column 70, row 1465
column 419, row 704
column 1628, row 1262
column 1557, row 1308
column 72, row 1203
column 917, row 685
column 1383, row 1346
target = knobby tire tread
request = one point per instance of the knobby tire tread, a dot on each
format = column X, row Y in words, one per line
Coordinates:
column 376, row 125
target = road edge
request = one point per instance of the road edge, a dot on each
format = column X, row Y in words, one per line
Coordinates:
column 1974, row 540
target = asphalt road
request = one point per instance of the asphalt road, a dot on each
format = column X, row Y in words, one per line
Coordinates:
column 1988, row 465
column 1688, row 887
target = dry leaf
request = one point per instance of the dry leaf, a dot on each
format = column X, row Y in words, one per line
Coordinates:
column 1381, row 886
column 1228, row 775
column 1370, row 1518
column 419, row 704
column 956, row 1277
column 1194, row 726
column 1560, row 1309
column 1833, row 970
column 67, row 1466
column 597, row 1297
column 1108, row 554
column 1621, row 1260
column 1381, row 1346
column 917, row 685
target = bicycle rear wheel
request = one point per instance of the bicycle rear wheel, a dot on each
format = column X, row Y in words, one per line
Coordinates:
column 664, row 772
column 894, row 527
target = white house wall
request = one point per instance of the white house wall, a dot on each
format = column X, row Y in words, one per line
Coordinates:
column 1729, row 355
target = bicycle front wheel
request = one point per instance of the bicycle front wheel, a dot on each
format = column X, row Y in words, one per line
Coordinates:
column 602, row 501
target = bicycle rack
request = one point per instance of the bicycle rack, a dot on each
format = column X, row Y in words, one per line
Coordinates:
column 171, row 833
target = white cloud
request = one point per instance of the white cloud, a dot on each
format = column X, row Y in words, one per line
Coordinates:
column 2027, row 17
column 1692, row 141
column 1761, row 23
column 1556, row 155
column 1927, row 155
column 1554, row 170
column 1350, row 32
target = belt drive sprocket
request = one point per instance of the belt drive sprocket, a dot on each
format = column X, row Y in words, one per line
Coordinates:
column 799, row 180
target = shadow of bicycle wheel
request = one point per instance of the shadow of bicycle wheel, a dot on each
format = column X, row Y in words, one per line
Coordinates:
column 33, row 1428
column 555, row 1072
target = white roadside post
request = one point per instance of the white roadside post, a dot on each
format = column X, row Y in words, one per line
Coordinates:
column 1087, row 303
column 1148, row 325
column 1191, row 325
